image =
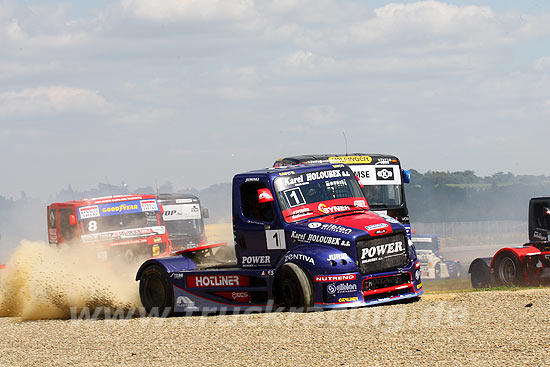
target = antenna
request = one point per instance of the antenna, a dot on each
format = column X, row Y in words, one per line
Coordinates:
column 157, row 187
column 346, row 140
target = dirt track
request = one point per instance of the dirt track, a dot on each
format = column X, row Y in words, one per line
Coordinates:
column 477, row 328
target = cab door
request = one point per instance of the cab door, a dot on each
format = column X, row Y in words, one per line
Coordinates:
column 259, row 236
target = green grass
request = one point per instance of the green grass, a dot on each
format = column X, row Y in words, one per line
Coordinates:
column 462, row 285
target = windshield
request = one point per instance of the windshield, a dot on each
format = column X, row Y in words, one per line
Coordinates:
column 183, row 219
column 381, row 184
column 120, row 222
column 423, row 243
column 318, row 193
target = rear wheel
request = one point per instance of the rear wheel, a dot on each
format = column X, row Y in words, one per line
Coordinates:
column 508, row 270
column 155, row 291
column 293, row 287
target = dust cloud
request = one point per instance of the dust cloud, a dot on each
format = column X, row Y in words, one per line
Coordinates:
column 44, row 282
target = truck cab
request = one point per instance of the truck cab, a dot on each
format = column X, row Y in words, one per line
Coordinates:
column 304, row 237
column 520, row 265
column 431, row 262
column 121, row 226
column 184, row 220
column 380, row 176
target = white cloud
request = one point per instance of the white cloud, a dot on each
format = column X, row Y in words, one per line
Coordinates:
column 52, row 100
column 189, row 10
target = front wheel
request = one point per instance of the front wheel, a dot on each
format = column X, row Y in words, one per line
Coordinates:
column 156, row 292
column 508, row 270
column 293, row 288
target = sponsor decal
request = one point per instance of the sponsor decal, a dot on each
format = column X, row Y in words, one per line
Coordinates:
column 334, row 278
column 184, row 301
column 252, row 179
column 341, row 288
column 383, row 161
column 347, row 299
column 88, row 212
column 350, row 159
column 384, row 174
column 119, row 208
column 389, row 219
column 149, row 205
column 360, row 203
column 332, row 209
column 243, row 297
column 268, row 273
column 337, row 257
column 301, row 213
column 202, row 281
column 264, row 196
column 183, row 201
column 309, row 237
column 537, row 235
column 181, row 212
column 314, row 225
column 156, row 250
column 286, row 173
column 332, row 228
column 256, row 260
column 300, row 257
column 177, row 275
column 157, row 239
column 374, row 253
column 380, row 231
column 376, row 226
column 323, row 175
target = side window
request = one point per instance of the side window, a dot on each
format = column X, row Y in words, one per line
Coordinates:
column 51, row 218
column 67, row 231
column 251, row 208
column 541, row 217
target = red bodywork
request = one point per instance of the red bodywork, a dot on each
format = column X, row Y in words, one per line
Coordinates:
column 534, row 261
column 123, row 224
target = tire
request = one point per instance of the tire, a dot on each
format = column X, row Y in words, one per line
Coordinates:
column 156, row 292
column 508, row 270
column 437, row 271
column 293, row 288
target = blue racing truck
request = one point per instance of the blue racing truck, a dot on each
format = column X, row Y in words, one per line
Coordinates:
column 304, row 237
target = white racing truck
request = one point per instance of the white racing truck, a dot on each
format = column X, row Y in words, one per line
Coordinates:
column 432, row 264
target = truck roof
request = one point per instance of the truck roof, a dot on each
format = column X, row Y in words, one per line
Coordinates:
column 107, row 199
column 273, row 172
column 175, row 195
column 324, row 158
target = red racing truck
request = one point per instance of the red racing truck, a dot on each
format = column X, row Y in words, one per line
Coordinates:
column 521, row 265
column 122, row 226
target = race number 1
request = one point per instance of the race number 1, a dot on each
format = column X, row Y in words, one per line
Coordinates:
column 275, row 239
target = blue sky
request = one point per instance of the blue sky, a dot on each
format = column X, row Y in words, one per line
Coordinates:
column 194, row 91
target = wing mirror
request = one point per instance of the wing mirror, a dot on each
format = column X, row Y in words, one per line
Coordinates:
column 265, row 196
column 406, row 176
column 205, row 213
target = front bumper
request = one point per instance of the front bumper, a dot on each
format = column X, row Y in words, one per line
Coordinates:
column 370, row 289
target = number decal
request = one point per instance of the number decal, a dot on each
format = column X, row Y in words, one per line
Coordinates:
column 294, row 197
column 275, row 239
column 92, row 226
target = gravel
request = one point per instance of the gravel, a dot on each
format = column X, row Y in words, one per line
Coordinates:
column 473, row 328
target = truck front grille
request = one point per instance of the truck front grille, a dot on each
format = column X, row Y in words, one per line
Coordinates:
column 376, row 255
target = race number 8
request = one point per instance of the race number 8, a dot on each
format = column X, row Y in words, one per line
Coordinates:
column 92, row 226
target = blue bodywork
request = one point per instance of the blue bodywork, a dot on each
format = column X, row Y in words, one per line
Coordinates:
column 325, row 247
